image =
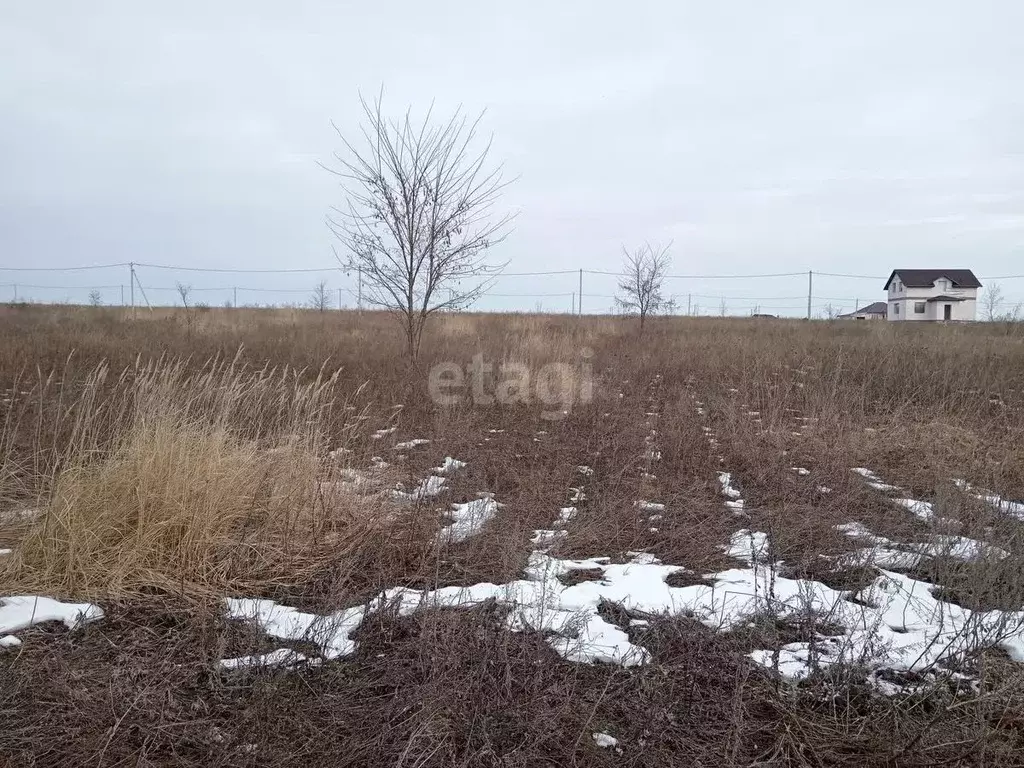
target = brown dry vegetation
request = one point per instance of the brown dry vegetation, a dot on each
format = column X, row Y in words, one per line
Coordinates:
column 178, row 460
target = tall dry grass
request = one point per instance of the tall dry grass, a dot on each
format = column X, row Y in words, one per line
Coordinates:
column 164, row 477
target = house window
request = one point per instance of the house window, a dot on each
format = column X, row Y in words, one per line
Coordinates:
column 919, row 307
column 895, row 309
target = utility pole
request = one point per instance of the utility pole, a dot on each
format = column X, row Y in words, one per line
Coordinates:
column 579, row 306
column 339, row 299
column 689, row 303
column 810, row 291
column 574, row 302
column 234, row 295
column 131, row 267
column 15, row 292
column 360, row 289
column 122, row 294
column 856, row 304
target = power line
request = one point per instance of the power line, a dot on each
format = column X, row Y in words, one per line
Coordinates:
column 852, row 277
column 62, row 269
column 702, row 277
column 61, row 287
column 537, row 274
column 227, row 270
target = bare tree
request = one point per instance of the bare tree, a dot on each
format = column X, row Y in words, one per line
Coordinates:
column 320, row 299
column 830, row 312
column 95, row 299
column 991, row 301
column 419, row 219
column 184, row 291
column 643, row 274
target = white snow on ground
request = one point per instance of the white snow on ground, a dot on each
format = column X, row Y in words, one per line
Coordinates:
column 578, row 495
column 961, row 548
column 902, row 627
column 449, row 465
column 749, row 546
column 896, row 623
column 583, row 469
column 605, row 741
column 428, row 487
column 469, row 519
column 9, row 641
column 649, row 506
column 733, row 501
column 282, row 658
column 547, row 538
column 874, row 480
column 382, row 433
column 886, row 553
column 410, row 444
column 921, row 509
column 802, row 471
column 725, row 481
column 23, row 611
column 565, row 516
column 1014, row 508
column 5, row 552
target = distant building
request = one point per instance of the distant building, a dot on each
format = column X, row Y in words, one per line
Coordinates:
column 932, row 294
column 876, row 311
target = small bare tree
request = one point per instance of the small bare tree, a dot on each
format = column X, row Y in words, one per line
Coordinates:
column 991, row 301
column 418, row 219
column 320, row 299
column 95, row 299
column 643, row 274
column 184, row 291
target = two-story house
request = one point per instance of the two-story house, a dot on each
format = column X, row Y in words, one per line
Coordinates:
column 932, row 294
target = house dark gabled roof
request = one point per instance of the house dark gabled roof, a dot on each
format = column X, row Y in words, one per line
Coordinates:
column 878, row 308
column 925, row 278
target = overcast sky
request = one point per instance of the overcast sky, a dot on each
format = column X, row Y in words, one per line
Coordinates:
column 848, row 137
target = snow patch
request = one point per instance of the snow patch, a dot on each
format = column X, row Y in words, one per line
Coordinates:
column 728, row 489
column 428, row 488
column 649, row 506
column 281, row 658
column 1013, row 508
column 449, row 465
column 23, row 611
column 410, row 444
column 605, row 741
column 469, row 519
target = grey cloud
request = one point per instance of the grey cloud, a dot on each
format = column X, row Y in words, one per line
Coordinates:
column 830, row 136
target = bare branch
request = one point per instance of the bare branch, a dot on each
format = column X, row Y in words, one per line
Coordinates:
column 418, row 221
column 641, row 286
column 320, row 299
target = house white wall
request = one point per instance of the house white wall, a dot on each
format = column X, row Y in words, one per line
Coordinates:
column 907, row 299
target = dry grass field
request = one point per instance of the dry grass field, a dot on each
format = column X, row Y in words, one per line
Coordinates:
column 723, row 542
